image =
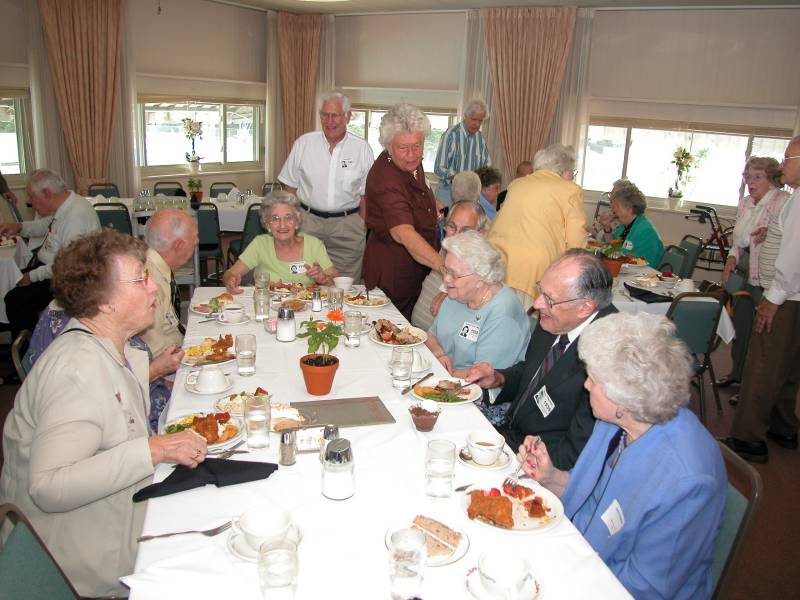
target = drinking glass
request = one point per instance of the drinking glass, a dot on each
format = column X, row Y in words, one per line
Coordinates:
column 278, row 567
column 261, row 278
column 257, row 421
column 407, row 556
column 335, row 298
column 352, row 328
column 261, row 303
column 245, row 346
column 440, row 464
column 401, row 363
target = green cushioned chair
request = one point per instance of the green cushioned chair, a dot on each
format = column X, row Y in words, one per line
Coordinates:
column 252, row 228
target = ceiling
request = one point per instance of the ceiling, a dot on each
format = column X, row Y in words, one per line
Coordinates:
column 376, row 6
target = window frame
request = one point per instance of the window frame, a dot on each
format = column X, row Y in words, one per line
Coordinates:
column 21, row 100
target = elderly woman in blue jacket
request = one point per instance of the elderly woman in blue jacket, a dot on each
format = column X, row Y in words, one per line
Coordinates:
column 648, row 490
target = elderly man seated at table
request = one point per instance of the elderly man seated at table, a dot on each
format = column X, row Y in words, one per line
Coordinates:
column 490, row 189
column 648, row 492
column 481, row 320
column 285, row 252
column 77, row 443
column 546, row 389
column 637, row 232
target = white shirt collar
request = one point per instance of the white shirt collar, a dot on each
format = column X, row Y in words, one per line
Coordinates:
column 574, row 333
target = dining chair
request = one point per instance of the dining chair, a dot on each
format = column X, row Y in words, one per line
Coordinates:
column 20, row 355
column 114, row 215
column 109, row 190
column 209, row 246
column 220, row 187
column 168, row 188
column 696, row 316
column 602, row 203
column 674, row 259
column 252, row 228
column 14, row 210
column 271, row 186
column 27, row 569
column 744, row 495
column 692, row 244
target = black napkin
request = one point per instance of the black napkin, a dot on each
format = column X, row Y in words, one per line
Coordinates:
column 645, row 296
column 213, row 470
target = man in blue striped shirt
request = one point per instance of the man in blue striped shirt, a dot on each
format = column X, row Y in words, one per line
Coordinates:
column 462, row 148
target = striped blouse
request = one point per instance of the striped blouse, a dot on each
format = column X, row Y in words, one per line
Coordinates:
column 459, row 151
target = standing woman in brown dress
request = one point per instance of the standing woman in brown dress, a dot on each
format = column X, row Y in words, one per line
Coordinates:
column 401, row 211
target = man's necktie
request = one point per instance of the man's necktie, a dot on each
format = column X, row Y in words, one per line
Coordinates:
column 553, row 354
column 176, row 301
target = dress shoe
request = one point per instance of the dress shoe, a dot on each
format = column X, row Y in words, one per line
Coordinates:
column 726, row 381
column 734, row 400
column 787, row 441
column 755, row 452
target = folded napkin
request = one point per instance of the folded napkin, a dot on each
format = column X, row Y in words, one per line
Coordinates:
column 213, row 470
column 645, row 295
column 234, row 193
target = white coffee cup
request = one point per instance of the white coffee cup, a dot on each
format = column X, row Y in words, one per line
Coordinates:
column 233, row 313
column 209, row 379
column 485, row 447
column 263, row 524
column 503, row 576
column 343, row 283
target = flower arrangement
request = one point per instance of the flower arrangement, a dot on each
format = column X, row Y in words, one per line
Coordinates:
column 192, row 129
column 322, row 335
column 613, row 249
column 683, row 161
column 337, row 316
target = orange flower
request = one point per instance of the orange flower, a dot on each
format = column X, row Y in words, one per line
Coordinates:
column 320, row 325
column 336, row 316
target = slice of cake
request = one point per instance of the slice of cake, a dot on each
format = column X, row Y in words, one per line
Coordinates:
column 441, row 540
column 494, row 509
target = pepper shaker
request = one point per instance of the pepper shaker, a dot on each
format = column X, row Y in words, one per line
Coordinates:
column 288, row 450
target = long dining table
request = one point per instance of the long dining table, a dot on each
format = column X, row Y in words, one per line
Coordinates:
column 343, row 552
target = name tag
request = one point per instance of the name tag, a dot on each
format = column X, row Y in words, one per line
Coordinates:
column 297, row 267
column 469, row 331
column 627, row 245
column 347, row 162
column 544, row 401
column 613, row 518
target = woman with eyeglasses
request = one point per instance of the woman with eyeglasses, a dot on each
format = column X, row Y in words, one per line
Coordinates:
column 284, row 251
column 649, row 488
column 638, row 233
column 77, row 443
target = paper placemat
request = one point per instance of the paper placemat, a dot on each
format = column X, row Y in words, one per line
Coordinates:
column 345, row 412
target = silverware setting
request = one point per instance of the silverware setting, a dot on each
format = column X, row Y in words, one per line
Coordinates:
column 207, row 532
column 227, row 452
column 513, row 480
column 463, row 488
column 405, row 390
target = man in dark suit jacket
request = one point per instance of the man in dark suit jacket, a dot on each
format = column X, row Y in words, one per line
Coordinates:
column 523, row 168
column 546, row 389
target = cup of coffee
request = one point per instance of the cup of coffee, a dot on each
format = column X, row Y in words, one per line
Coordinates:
column 485, row 447
column 233, row 313
column 504, row 576
column 263, row 524
column 209, row 380
column 343, row 283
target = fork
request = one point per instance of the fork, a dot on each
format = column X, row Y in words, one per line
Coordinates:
column 512, row 481
column 207, row 532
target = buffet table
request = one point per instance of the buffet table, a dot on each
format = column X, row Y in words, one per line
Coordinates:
column 343, row 552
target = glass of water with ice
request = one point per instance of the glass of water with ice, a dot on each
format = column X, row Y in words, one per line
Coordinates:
column 245, row 347
column 257, row 420
column 407, row 556
column 278, row 567
column 401, row 363
column 440, row 464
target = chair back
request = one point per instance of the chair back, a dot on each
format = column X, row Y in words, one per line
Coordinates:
column 168, row 188
column 744, row 496
column 27, row 569
column 603, row 202
column 252, row 225
column 271, row 186
column 220, row 187
column 14, row 210
column 207, row 225
column 696, row 316
column 109, row 190
column 674, row 259
column 114, row 215
column 20, row 355
column 692, row 244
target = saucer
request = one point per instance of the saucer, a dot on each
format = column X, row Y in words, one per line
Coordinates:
column 241, row 549
column 500, row 463
column 474, row 585
column 221, row 319
column 192, row 387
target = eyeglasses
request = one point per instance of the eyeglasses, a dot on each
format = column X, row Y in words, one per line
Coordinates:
column 145, row 278
column 275, row 219
column 788, row 158
column 756, row 177
column 327, row 115
column 449, row 273
column 550, row 302
column 453, row 229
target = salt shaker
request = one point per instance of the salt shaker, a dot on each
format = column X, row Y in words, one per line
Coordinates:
column 338, row 476
column 316, row 300
column 330, row 433
column 286, row 325
column 288, row 450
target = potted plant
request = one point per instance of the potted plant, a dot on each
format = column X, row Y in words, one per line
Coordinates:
column 319, row 368
column 683, row 160
column 613, row 257
column 195, row 191
column 192, row 129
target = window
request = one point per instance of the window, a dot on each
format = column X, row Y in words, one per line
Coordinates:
column 12, row 156
column 644, row 155
column 230, row 132
column 366, row 122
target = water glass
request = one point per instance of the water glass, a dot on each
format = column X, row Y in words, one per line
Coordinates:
column 261, row 279
column 245, row 347
column 407, row 556
column 335, row 298
column 401, row 363
column 261, row 303
column 440, row 464
column 257, row 421
column 352, row 328
column 278, row 567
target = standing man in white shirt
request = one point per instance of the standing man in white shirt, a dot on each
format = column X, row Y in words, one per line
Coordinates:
column 771, row 377
column 327, row 171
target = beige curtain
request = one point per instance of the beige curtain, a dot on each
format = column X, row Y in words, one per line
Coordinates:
column 82, row 39
column 528, row 50
column 298, row 49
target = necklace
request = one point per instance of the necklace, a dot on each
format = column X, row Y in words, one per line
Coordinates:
column 484, row 298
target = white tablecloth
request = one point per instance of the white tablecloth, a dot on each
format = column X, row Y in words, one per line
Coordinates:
column 12, row 259
column 232, row 214
column 343, row 554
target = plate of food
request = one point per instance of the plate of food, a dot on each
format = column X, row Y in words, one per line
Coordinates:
column 285, row 287
column 386, row 333
column 295, row 304
column 218, row 429
column 209, row 351
column 634, row 262
column 213, row 306
column 523, row 508
column 448, row 391
column 308, row 292
column 283, row 416
column 446, row 543
column 8, row 240
column 360, row 300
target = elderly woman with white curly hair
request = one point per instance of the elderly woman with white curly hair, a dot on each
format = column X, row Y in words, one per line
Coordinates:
column 401, row 211
column 542, row 217
column 481, row 319
column 648, row 491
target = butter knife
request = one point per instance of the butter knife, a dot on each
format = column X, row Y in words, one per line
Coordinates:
column 420, row 380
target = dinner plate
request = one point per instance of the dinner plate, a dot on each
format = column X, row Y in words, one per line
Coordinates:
column 239, row 434
column 193, row 308
column 223, row 321
column 523, row 524
column 474, row 390
column 241, row 549
column 531, row 590
column 417, row 332
column 373, row 298
column 500, row 463
column 292, row 289
column 200, row 361
column 192, row 387
column 438, row 561
column 222, row 404
column 633, row 267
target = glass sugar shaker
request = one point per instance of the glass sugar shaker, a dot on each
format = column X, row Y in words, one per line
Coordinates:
column 286, row 325
column 338, row 474
column 330, row 433
column 316, row 300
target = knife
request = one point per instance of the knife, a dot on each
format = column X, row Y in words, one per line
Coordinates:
column 420, row 380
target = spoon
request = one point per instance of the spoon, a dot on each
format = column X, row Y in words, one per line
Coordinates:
column 465, row 455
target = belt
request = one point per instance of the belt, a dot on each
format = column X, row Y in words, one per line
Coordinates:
column 329, row 215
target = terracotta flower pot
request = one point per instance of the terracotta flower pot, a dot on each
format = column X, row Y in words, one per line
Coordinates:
column 319, row 379
column 613, row 265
